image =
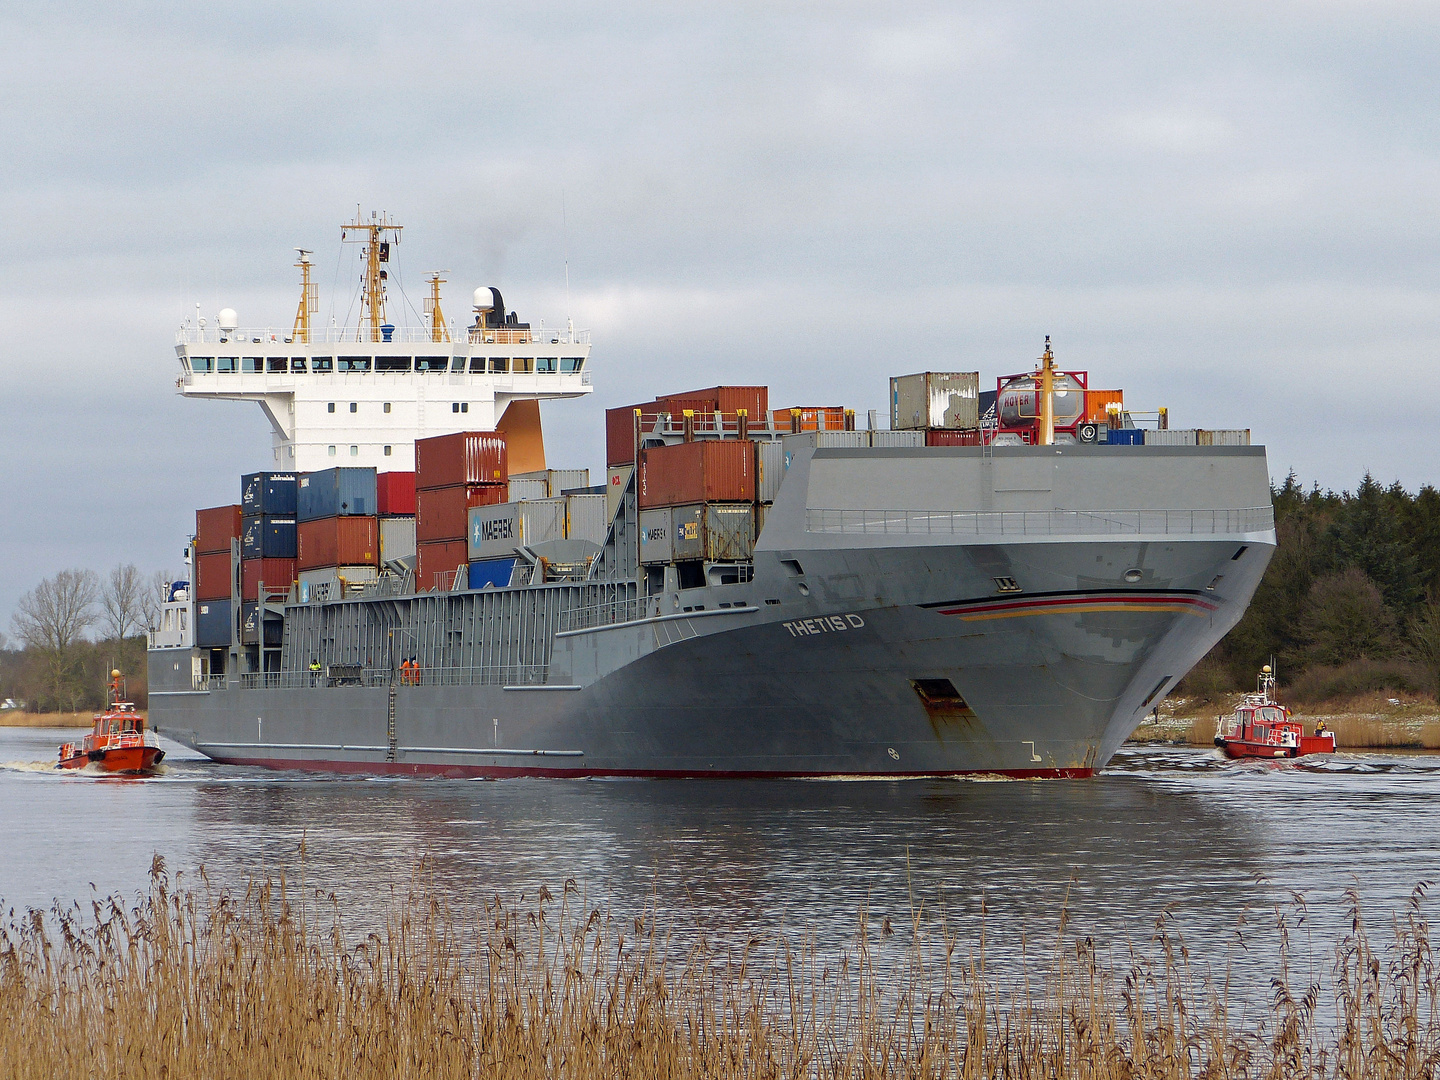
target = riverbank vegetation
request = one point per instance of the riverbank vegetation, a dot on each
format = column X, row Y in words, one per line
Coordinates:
column 202, row 983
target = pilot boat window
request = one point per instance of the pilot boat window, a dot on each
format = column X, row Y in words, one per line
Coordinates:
column 571, row 363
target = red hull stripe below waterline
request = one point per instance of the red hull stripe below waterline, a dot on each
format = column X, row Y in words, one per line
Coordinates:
column 1079, row 603
column 486, row 772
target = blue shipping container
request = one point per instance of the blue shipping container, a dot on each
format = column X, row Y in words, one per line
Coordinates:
column 212, row 624
column 491, row 573
column 267, row 538
column 335, row 493
column 1127, row 437
column 253, row 621
column 268, row 493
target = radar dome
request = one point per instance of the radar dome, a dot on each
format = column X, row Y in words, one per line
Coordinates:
column 227, row 320
column 484, row 298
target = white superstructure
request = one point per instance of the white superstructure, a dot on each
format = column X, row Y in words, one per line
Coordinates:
column 361, row 395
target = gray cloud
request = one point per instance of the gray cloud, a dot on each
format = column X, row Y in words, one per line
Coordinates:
column 1224, row 209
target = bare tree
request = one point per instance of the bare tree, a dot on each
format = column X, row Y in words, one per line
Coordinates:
column 1425, row 641
column 157, row 592
column 58, row 611
column 122, row 601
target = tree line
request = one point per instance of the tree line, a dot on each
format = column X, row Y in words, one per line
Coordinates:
column 1350, row 603
column 71, row 629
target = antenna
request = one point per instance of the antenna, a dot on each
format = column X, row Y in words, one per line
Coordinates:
column 565, row 250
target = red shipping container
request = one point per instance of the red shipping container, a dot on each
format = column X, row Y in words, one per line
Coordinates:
column 277, row 574
column 212, row 576
column 465, row 457
column 443, row 513
column 813, row 418
column 713, row 470
column 438, row 560
column 952, row 437
column 620, row 431
column 215, row 528
column 728, row 400
column 337, row 541
column 395, row 494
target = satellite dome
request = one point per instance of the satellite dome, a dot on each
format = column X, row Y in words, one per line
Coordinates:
column 227, row 320
column 484, row 298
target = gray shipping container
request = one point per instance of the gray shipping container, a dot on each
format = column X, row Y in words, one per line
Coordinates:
column 524, row 488
column 935, row 399
column 1222, row 436
column 769, row 469
column 397, row 538
column 656, row 537
column 496, row 531
column 585, row 518
column 897, row 438
column 1171, row 437
column 715, row 532
column 556, row 480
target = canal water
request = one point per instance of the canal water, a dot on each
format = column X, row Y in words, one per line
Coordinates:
column 1210, row 847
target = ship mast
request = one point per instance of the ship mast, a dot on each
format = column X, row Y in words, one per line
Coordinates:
column 1046, row 383
column 309, row 299
column 377, row 235
column 432, row 308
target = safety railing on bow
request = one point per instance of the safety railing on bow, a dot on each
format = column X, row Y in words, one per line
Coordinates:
column 1248, row 519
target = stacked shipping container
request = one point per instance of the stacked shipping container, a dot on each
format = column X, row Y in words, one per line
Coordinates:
column 453, row 474
column 216, row 530
column 337, row 535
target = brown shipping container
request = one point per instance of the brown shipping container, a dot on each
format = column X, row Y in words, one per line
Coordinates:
column 814, row 418
column 620, row 431
column 342, row 541
column 443, row 513
column 952, row 437
column 212, row 576
column 215, row 528
column 277, row 574
column 395, row 494
column 465, row 457
column 720, row 470
column 440, row 557
column 729, row 400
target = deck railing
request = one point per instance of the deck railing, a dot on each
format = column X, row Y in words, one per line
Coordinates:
column 403, row 335
column 609, row 613
column 489, row 675
column 1248, row 519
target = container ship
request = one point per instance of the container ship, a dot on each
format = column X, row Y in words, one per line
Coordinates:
column 999, row 581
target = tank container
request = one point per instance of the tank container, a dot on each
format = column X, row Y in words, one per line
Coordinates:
column 1017, row 400
column 333, row 493
column 442, row 513
column 585, row 518
column 713, row 532
column 491, row 573
column 935, row 399
column 656, row 537
column 212, row 623
column 464, row 457
column 1171, row 437
column 267, row 538
column 337, row 541
column 715, row 470
column 277, row 575
column 215, row 528
column 436, row 563
column 496, row 531
column 397, row 538
column 213, row 576
column 900, row 438
column 268, row 493
column 395, row 494
column 769, row 469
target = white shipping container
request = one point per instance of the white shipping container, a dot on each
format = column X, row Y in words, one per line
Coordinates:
column 1170, row 437
column 1222, row 436
column 897, row 438
column 656, row 541
column 585, row 518
column 522, row 488
column 397, row 538
column 496, row 531
column 555, row 480
column 935, row 399
column 769, row 469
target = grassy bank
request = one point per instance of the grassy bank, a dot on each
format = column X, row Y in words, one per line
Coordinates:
column 1361, row 722
column 19, row 718
column 206, row 984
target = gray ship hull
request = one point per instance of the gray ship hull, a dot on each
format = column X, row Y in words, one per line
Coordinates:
column 995, row 629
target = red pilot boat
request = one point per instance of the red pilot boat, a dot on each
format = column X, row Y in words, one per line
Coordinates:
column 119, row 742
column 1262, row 728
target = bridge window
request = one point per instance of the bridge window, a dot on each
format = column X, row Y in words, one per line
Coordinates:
column 392, row 363
column 571, row 363
column 252, row 365
column 297, row 365
column 322, row 363
column 459, row 364
column 500, row 364
column 546, row 363
column 202, row 363
column 227, row 363
column 523, row 365
column 477, row 365
column 354, row 363
column 277, row 365
column 432, row 363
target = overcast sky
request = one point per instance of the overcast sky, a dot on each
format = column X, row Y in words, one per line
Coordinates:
column 1226, row 209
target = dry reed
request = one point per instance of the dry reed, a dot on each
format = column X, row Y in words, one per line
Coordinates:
column 201, row 983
